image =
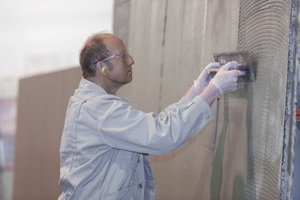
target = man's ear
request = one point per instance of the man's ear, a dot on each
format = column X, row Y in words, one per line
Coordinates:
column 101, row 68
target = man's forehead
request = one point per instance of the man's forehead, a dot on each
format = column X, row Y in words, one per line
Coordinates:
column 113, row 43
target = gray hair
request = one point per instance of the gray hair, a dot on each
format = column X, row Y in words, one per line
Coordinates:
column 93, row 50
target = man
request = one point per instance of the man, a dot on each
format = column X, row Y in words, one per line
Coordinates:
column 106, row 142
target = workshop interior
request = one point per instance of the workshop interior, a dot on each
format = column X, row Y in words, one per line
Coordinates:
column 251, row 148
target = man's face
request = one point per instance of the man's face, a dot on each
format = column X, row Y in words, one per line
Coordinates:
column 118, row 67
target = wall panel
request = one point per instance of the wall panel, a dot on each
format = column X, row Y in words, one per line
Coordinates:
column 42, row 103
column 246, row 161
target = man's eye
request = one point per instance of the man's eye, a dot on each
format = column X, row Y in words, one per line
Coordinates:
column 123, row 56
column 126, row 54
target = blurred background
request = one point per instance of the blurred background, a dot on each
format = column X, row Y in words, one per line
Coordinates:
column 252, row 154
column 36, row 37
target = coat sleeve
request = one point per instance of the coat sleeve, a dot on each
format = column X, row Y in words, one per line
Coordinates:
column 123, row 127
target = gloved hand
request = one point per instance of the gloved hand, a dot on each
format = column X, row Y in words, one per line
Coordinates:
column 201, row 82
column 203, row 79
column 226, row 78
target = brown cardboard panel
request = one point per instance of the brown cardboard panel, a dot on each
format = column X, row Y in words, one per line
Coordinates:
column 42, row 104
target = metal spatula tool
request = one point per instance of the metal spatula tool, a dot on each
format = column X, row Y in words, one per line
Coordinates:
column 244, row 64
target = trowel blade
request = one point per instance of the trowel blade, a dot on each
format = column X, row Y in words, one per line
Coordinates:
column 243, row 58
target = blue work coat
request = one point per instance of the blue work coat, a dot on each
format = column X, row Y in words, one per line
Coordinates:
column 105, row 143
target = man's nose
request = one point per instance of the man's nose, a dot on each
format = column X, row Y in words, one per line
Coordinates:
column 130, row 60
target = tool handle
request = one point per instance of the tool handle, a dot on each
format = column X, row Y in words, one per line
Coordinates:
column 241, row 67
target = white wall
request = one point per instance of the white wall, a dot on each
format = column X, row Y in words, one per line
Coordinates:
column 41, row 36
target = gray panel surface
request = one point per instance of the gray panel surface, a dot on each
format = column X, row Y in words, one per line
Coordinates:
column 176, row 39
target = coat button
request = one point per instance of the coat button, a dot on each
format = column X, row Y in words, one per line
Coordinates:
column 140, row 186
